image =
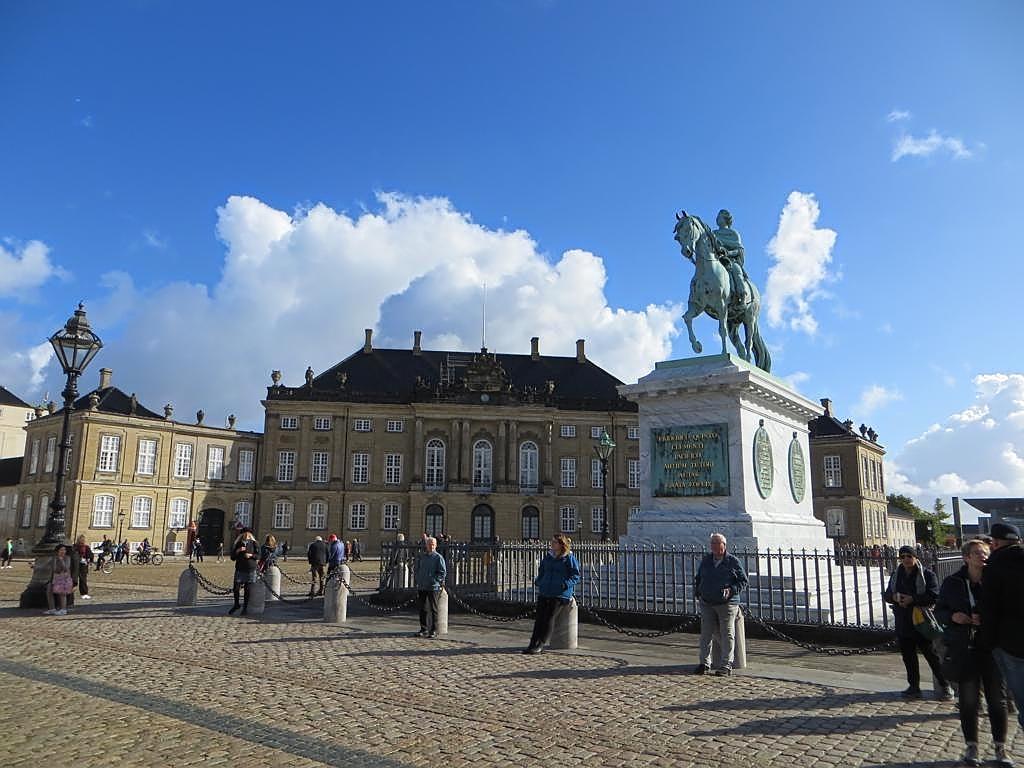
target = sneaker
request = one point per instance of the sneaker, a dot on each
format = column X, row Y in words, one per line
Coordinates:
column 701, row 669
column 911, row 693
column 62, row 612
column 723, row 671
column 944, row 694
column 1003, row 759
column 533, row 650
column 971, row 755
column 432, row 635
column 50, row 612
column 421, row 633
column 87, row 597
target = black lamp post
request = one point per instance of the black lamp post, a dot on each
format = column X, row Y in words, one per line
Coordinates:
column 603, row 449
column 75, row 345
column 120, row 522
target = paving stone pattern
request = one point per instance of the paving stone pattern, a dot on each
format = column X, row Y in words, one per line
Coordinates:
column 167, row 686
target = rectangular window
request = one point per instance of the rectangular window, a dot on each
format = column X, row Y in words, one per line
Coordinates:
column 868, row 519
column 633, row 433
column 833, row 472
column 568, row 471
column 146, row 463
column 316, row 519
column 246, row 459
column 595, row 432
column 103, row 512
column 285, row 467
column 567, row 518
column 633, row 472
column 393, row 468
column 321, row 469
column 176, row 547
column 183, row 460
column 322, row 423
column 362, row 425
column 44, row 511
column 110, row 449
column 596, row 519
column 178, row 516
column 26, row 515
column 142, row 512
column 357, row 516
column 3, row 501
column 866, row 474
column 596, row 480
column 392, row 516
column 634, row 512
column 289, row 422
column 360, row 468
column 243, row 513
column 33, row 464
column 284, row 513
column 835, row 523
column 51, row 452
column 396, row 425
column 567, row 430
column 215, row 462
column 874, row 475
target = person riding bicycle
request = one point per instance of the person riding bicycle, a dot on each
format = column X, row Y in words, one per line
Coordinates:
column 145, row 548
column 106, row 551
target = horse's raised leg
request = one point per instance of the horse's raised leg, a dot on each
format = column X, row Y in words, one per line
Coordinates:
column 691, row 312
column 723, row 313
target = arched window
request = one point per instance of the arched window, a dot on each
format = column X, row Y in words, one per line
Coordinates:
column 531, row 523
column 528, row 462
column 44, row 510
column 482, row 475
column 434, row 520
column 483, row 523
column 103, row 511
column 434, row 476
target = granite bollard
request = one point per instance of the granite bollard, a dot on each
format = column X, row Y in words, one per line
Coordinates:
column 257, row 598
column 187, row 588
column 565, row 627
column 336, row 597
column 441, row 625
column 273, row 580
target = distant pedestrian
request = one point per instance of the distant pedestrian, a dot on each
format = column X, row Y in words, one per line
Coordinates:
column 335, row 554
column 8, row 553
column 719, row 580
column 430, row 576
column 268, row 554
column 966, row 661
column 82, row 553
column 1002, row 609
column 220, row 552
column 244, row 552
column 348, row 550
column 357, row 551
column 557, row 577
column 197, row 549
column 61, row 582
column 284, row 550
column 316, row 554
column 911, row 586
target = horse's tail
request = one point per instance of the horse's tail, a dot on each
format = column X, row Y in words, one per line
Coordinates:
column 762, row 357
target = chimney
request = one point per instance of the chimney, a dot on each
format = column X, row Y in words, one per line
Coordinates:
column 827, row 405
column 105, row 375
column 581, row 356
column 535, row 348
column 368, row 344
column 416, row 337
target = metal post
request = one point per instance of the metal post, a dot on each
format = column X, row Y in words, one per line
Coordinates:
column 55, row 533
column 604, row 500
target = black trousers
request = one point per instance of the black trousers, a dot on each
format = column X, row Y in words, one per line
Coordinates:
column 428, row 609
column 909, row 646
column 546, row 607
column 986, row 675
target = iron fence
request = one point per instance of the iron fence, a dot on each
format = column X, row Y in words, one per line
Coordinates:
column 785, row 586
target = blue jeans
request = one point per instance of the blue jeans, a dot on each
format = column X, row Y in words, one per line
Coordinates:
column 1013, row 672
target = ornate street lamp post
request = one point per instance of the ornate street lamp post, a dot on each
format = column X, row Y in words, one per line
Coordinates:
column 120, row 522
column 75, row 345
column 603, row 449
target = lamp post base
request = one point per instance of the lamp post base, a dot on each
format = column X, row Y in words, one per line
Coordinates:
column 34, row 595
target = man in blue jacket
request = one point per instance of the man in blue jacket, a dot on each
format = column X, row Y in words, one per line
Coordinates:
column 718, row 583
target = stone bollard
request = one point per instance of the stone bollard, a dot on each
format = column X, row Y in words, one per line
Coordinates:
column 257, row 598
column 565, row 627
column 441, row 626
column 399, row 576
column 187, row 587
column 273, row 576
column 739, row 649
column 336, row 597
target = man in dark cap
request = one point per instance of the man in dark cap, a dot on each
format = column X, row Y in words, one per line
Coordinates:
column 1002, row 608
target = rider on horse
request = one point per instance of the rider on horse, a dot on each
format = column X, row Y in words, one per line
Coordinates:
column 730, row 253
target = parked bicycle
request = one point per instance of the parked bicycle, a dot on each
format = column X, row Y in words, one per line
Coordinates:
column 147, row 558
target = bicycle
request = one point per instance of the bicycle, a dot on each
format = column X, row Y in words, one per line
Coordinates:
column 151, row 558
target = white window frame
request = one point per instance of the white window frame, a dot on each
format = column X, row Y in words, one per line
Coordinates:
column 360, row 468
column 529, row 466
column 110, row 453
column 392, row 469
column 362, row 425
column 833, row 464
column 596, row 432
column 145, row 462
column 177, row 514
column 357, row 516
column 243, row 512
column 596, row 518
column 567, row 466
column 567, row 430
column 26, row 512
column 434, row 474
column 483, row 465
column 142, row 512
column 321, row 423
column 183, row 460
column 44, row 506
column 596, row 481
column 634, row 512
column 316, row 515
column 289, row 423
column 633, row 473
column 320, row 467
column 567, row 518
column 395, row 425
column 633, row 432
column 286, row 467
column 215, row 462
column 391, row 516
column 51, row 453
column 835, row 522
column 284, row 515
column 33, row 463
column 246, row 460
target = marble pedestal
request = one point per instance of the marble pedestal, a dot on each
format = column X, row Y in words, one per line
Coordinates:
column 756, row 490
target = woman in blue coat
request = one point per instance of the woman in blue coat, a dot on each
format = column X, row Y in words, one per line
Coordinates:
column 557, row 577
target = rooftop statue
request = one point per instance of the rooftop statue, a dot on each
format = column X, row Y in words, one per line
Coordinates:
column 720, row 286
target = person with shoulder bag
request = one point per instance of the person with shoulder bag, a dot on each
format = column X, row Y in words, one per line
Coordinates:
column 965, row 661
column 245, row 553
column 61, row 583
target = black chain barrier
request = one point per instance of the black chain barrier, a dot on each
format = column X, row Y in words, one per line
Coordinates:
column 209, row 586
column 686, row 622
column 526, row 614
column 815, row 647
column 379, row 608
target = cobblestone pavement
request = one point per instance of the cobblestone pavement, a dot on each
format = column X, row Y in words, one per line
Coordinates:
column 162, row 685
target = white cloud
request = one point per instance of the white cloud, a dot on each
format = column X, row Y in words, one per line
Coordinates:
column 802, row 252
column 873, row 398
column 977, row 451
column 298, row 289
column 898, row 115
column 912, row 146
column 796, row 378
column 153, row 239
column 25, row 268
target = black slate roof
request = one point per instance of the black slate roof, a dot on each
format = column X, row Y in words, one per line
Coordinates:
column 828, row 426
column 9, row 398
column 403, row 376
column 10, row 470
column 113, row 400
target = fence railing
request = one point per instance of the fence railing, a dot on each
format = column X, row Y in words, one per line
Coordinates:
column 786, row 586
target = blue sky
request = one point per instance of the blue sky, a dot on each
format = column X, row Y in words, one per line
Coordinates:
column 149, row 149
